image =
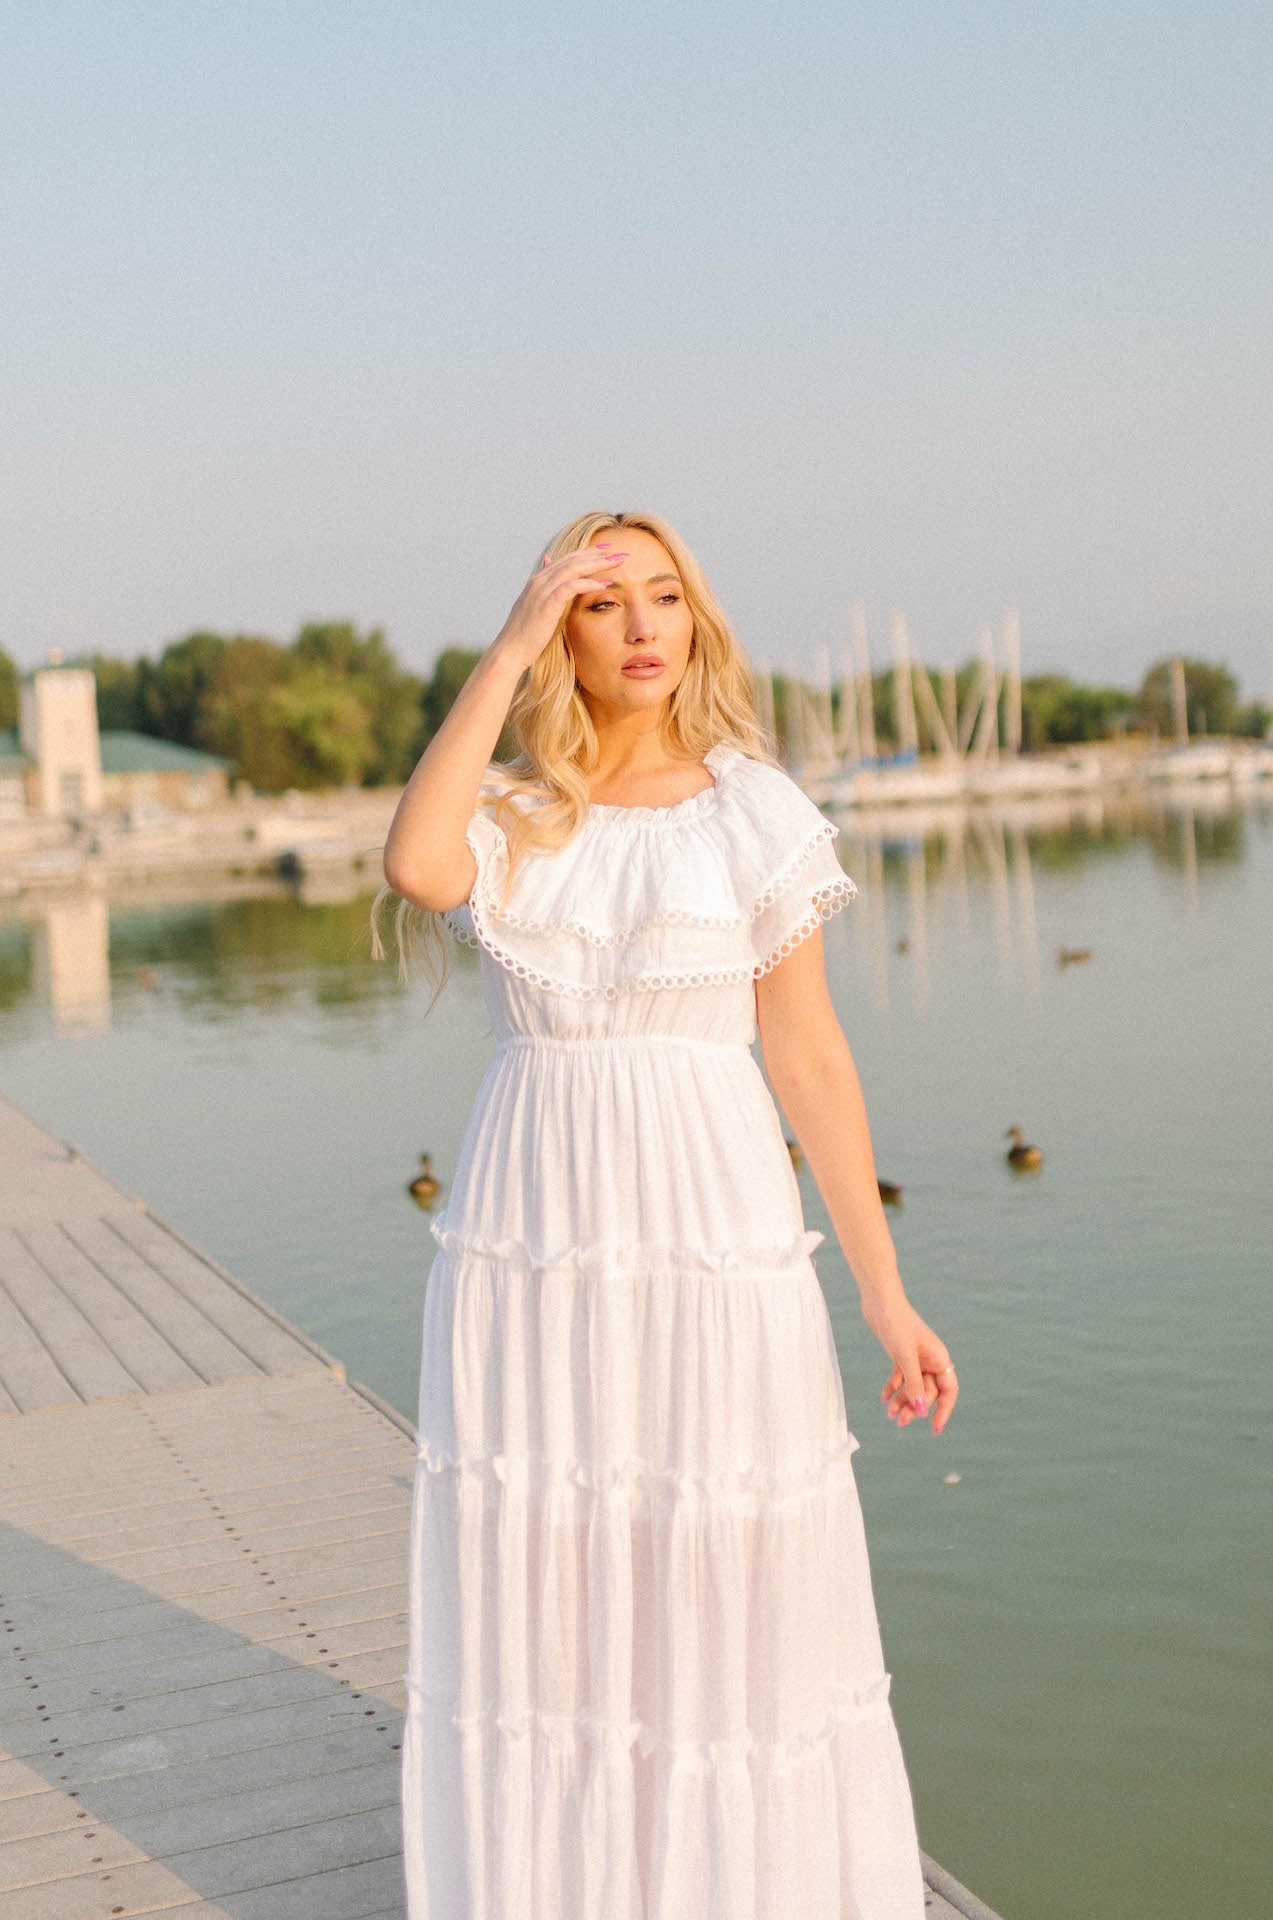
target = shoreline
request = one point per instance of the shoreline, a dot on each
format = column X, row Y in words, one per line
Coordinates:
column 327, row 844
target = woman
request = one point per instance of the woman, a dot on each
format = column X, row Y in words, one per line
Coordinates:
column 645, row 1678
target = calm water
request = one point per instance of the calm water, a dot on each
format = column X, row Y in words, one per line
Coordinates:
column 1079, row 1628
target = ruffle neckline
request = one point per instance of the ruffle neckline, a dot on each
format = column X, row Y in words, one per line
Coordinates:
column 711, row 891
column 692, row 805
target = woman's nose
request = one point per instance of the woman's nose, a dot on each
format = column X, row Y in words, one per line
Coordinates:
column 641, row 623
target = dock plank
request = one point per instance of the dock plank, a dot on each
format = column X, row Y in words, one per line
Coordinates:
column 64, row 1854
column 28, row 1372
column 361, row 1892
column 18, row 1781
column 199, row 1340
column 153, row 1361
column 272, row 1725
column 70, row 1339
column 155, row 1662
column 36, row 1813
column 41, row 1176
column 144, row 1888
column 270, row 1813
column 356, row 1839
column 337, row 1587
column 121, row 1797
column 274, row 1346
column 260, row 1486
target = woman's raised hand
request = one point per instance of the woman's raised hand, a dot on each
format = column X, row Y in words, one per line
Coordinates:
column 538, row 608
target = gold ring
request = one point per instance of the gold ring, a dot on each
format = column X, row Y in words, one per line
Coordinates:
column 941, row 1370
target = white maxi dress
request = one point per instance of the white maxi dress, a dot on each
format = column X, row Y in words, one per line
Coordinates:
column 645, row 1678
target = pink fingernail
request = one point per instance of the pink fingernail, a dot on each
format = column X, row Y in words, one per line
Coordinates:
column 921, row 1406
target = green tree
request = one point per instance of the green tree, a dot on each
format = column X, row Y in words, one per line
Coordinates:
column 232, row 721
column 1254, row 720
column 116, row 693
column 450, row 670
column 391, row 696
column 172, row 692
column 1211, row 698
column 8, row 691
column 1057, row 712
column 320, row 725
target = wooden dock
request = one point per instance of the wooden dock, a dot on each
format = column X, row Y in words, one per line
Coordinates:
column 203, row 1543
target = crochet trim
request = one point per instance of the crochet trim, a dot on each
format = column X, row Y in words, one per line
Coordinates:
column 824, row 905
column 727, row 1487
column 826, row 901
column 628, row 1260
column 851, row 1706
column 624, row 936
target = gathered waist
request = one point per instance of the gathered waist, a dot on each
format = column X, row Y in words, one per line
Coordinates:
column 605, row 1042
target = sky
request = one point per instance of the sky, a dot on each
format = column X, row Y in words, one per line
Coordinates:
column 328, row 311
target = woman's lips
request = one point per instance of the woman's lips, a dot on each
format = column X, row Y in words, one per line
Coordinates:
column 644, row 669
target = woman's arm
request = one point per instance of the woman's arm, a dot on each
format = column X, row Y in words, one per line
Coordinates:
column 815, row 1079
column 427, row 859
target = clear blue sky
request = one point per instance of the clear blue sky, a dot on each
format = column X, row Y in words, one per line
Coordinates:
column 338, row 310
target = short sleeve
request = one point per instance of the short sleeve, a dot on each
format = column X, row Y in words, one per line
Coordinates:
column 488, row 844
column 808, row 892
column 489, row 847
column 787, row 860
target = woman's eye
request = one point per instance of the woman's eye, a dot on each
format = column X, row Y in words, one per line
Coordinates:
column 599, row 606
column 673, row 597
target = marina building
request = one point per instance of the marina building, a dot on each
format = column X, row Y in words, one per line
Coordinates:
column 58, row 764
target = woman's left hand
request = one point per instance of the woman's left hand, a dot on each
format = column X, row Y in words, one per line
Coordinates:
column 923, row 1376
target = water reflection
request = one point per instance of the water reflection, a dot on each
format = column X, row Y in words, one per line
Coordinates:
column 928, row 865
column 71, row 962
column 924, row 873
column 70, row 955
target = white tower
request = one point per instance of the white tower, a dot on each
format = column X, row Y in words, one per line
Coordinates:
column 58, row 729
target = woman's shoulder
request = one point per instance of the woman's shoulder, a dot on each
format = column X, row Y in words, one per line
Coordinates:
column 761, row 804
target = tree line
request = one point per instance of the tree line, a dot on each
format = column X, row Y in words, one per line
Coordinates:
column 335, row 707
column 1058, row 711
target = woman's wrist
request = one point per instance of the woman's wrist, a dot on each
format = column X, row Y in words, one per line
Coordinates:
column 509, row 653
column 882, row 1298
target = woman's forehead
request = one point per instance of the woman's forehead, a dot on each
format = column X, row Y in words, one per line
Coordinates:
column 642, row 546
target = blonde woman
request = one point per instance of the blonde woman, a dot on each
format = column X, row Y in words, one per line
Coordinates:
column 645, row 1677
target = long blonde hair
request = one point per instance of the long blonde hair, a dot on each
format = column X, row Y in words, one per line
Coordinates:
column 714, row 704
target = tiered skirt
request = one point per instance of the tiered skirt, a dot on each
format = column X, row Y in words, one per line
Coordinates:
column 645, row 1675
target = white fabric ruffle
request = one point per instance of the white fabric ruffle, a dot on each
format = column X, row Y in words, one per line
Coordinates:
column 645, row 1678
column 713, row 890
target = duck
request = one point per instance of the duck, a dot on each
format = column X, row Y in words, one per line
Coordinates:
column 425, row 1188
column 890, row 1193
column 1020, row 1153
column 1070, row 956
